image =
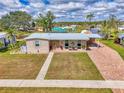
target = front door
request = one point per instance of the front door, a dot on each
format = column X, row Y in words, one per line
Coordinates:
column 54, row 45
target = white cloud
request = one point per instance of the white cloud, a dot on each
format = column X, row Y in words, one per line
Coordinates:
column 11, row 3
column 37, row 5
column 3, row 13
column 66, row 8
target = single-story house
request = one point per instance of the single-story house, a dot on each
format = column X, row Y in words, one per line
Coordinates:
column 44, row 42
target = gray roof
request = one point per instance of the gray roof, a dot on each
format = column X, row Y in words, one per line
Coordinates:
column 60, row 36
column 94, row 36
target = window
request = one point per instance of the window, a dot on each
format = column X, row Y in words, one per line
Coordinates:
column 79, row 44
column 37, row 43
column 66, row 44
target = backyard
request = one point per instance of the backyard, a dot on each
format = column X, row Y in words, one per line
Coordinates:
column 20, row 66
column 53, row 90
column 75, row 66
column 116, row 47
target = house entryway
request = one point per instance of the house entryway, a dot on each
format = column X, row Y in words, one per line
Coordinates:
column 67, row 45
column 56, row 45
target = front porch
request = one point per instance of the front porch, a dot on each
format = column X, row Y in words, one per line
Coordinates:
column 68, row 45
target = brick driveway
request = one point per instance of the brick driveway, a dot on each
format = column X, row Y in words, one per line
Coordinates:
column 109, row 63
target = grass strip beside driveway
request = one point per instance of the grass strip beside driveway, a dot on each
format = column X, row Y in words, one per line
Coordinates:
column 116, row 47
column 73, row 66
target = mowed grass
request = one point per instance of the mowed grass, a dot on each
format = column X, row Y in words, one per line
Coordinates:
column 20, row 66
column 75, row 66
column 116, row 47
column 53, row 90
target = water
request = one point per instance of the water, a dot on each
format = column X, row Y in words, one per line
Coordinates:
column 59, row 29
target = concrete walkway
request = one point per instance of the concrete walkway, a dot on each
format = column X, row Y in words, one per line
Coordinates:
column 109, row 63
column 63, row 83
column 45, row 67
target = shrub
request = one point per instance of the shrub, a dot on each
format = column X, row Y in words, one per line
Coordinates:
column 1, row 44
column 16, row 45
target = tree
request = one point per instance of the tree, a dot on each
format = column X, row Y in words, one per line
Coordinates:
column 89, row 16
column 110, row 26
column 113, row 22
column 11, row 34
column 46, row 21
column 16, row 20
column 105, row 28
column 42, row 22
column 50, row 18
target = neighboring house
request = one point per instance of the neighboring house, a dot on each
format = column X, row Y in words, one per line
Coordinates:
column 121, row 38
column 4, row 40
column 121, row 28
column 44, row 42
column 95, row 30
column 91, row 31
column 86, row 32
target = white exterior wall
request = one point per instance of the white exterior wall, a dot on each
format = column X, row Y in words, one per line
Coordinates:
column 32, row 49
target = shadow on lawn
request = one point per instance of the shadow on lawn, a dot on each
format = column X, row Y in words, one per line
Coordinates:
column 3, row 50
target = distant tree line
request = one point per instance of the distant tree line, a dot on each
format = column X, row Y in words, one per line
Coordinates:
column 18, row 20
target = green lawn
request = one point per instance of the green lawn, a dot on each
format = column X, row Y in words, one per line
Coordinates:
column 20, row 66
column 118, row 48
column 75, row 66
column 53, row 90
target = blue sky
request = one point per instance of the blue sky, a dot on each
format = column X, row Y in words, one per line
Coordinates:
column 66, row 10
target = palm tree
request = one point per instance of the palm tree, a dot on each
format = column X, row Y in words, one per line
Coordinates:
column 46, row 21
column 50, row 18
column 105, row 28
column 113, row 23
column 89, row 16
column 110, row 26
column 41, row 22
column 11, row 35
